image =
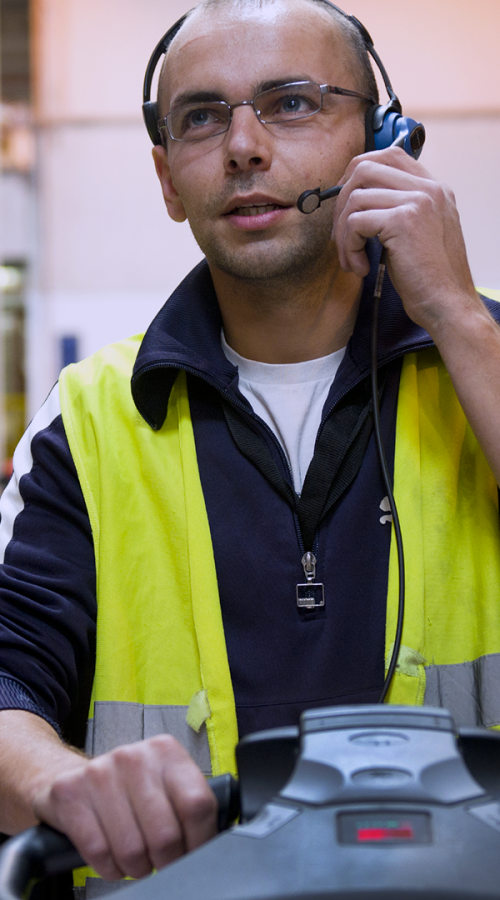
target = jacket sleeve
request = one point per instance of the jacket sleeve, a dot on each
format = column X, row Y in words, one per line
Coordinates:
column 47, row 581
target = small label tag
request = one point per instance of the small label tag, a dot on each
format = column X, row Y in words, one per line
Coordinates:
column 310, row 596
column 489, row 813
column 267, row 821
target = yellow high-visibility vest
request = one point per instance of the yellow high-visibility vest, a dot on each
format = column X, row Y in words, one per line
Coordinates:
column 161, row 654
column 161, row 660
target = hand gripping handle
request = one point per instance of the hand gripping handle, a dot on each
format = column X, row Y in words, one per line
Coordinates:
column 42, row 851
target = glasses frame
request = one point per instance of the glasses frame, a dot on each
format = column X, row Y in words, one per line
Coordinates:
column 324, row 89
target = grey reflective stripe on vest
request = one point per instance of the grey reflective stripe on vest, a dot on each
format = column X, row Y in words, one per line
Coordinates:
column 115, row 724
column 98, row 887
column 470, row 690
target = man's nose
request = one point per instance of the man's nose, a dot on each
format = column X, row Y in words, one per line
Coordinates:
column 248, row 142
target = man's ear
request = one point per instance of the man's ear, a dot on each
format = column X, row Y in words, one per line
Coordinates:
column 172, row 200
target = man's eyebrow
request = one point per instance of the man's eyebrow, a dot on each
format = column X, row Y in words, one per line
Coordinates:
column 279, row 82
column 196, row 97
column 210, row 96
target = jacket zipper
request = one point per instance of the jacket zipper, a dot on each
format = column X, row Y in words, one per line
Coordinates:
column 308, row 558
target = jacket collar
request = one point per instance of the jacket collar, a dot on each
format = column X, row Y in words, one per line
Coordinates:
column 186, row 335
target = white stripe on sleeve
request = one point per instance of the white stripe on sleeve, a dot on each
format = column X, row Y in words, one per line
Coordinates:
column 11, row 502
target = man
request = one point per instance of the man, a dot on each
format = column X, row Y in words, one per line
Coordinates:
column 182, row 494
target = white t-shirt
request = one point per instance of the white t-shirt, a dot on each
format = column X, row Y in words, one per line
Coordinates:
column 290, row 399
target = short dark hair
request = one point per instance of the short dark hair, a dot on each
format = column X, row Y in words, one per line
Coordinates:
column 354, row 40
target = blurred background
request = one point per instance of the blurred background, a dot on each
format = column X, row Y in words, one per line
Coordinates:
column 87, row 251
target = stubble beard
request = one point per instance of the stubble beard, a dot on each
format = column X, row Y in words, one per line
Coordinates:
column 294, row 259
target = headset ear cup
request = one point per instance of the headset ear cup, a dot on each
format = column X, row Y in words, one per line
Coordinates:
column 150, row 114
column 369, row 131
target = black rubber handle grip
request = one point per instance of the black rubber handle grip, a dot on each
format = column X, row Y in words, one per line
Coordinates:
column 32, row 855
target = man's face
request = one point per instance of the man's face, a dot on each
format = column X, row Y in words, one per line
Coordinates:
column 256, row 168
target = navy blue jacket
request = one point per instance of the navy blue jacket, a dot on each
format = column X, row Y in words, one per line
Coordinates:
column 282, row 659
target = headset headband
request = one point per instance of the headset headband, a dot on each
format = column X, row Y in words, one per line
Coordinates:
column 159, row 51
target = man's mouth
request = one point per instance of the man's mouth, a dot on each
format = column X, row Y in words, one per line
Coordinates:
column 254, row 210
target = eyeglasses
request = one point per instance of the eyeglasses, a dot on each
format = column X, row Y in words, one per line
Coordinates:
column 281, row 105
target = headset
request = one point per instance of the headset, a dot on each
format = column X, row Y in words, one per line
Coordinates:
column 385, row 124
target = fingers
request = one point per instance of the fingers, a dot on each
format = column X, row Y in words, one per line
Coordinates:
column 181, row 808
column 372, row 182
column 381, row 180
column 390, row 195
column 193, row 801
column 393, row 158
column 369, row 213
column 70, row 805
column 134, row 809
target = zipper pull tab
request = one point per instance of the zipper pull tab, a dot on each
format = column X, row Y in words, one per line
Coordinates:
column 309, row 566
column 310, row 595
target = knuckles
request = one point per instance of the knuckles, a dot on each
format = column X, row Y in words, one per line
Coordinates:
column 166, row 845
column 133, row 858
column 96, row 852
column 167, row 837
column 197, row 805
column 154, row 752
column 168, row 745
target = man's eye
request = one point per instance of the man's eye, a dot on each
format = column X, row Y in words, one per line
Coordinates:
column 290, row 106
column 294, row 104
column 201, row 118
